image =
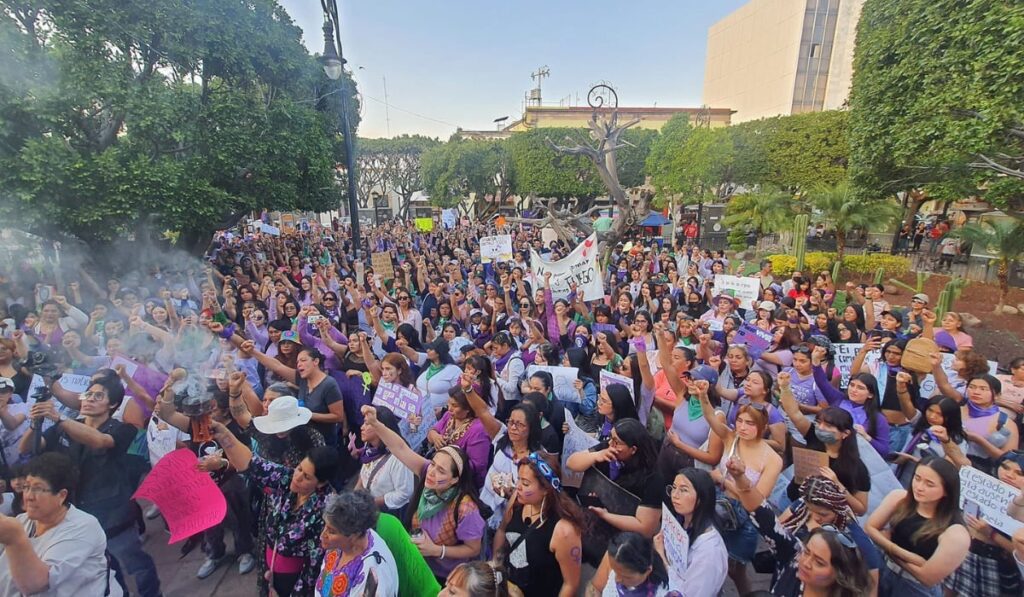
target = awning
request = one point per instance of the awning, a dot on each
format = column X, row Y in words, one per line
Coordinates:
column 655, row 219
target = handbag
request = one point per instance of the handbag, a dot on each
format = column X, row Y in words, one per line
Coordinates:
column 917, row 356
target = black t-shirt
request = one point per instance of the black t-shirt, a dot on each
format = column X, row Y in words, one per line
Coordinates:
column 105, row 486
column 647, row 484
column 319, row 401
column 854, row 476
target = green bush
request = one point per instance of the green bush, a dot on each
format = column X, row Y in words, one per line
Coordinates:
column 892, row 265
column 737, row 239
column 783, row 265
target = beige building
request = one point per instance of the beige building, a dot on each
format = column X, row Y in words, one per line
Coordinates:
column 578, row 116
column 781, row 57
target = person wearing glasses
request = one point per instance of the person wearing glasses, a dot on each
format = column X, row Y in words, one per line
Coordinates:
column 407, row 311
column 98, row 445
column 53, row 548
column 827, row 562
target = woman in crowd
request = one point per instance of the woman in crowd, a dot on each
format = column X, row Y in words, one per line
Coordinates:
column 860, row 400
column 746, row 443
column 989, row 570
column 57, row 316
column 461, row 427
column 952, row 332
column 541, row 533
column 756, row 392
column 990, row 432
column 446, row 520
column 1011, row 399
column 381, row 474
column 692, row 495
column 296, row 500
column 476, row 579
column 630, row 566
column 628, row 459
column 921, row 532
column 440, row 375
column 614, row 403
column 827, row 563
column 938, row 431
column 357, row 561
column 733, row 371
column 885, row 370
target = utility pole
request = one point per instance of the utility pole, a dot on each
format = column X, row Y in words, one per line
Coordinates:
column 387, row 110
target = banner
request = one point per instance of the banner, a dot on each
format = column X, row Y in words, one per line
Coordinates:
column 677, row 547
column 564, row 379
column 579, row 267
column 382, row 266
column 402, row 401
column 745, row 290
column 991, row 495
column 496, row 248
column 756, row 340
column 608, row 378
column 188, row 498
column 425, row 224
column 75, row 383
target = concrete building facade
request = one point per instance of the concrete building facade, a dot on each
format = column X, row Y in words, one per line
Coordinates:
column 781, row 57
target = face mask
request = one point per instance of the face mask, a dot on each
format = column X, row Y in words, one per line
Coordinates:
column 826, row 437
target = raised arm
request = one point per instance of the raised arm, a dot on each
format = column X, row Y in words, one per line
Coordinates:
column 396, row 445
column 247, row 348
column 790, row 405
column 700, row 389
column 831, row 394
column 238, row 454
column 491, row 425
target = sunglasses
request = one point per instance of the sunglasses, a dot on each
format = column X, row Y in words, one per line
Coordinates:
column 801, row 350
column 844, row 538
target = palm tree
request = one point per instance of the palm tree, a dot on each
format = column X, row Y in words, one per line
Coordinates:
column 768, row 210
column 839, row 207
column 1003, row 238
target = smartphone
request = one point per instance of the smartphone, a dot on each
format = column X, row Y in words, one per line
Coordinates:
column 314, row 318
column 972, row 509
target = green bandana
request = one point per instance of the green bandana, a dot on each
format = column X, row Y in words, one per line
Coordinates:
column 432, row 502
column 433, row 370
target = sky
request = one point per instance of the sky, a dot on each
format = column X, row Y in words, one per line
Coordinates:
column 464, row 63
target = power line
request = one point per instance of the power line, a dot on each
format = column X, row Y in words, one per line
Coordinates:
column 394, row 107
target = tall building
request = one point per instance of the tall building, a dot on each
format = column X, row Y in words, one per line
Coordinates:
column 781, row 57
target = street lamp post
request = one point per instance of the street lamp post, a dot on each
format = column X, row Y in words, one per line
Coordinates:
column 334, row 67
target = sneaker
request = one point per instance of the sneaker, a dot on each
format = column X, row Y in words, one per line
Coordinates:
column 208, row 567
column 246, row 563
column 152, row 512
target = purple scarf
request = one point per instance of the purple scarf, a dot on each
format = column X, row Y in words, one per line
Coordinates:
column 369, row 453
column 500, row 362
column 975, row 412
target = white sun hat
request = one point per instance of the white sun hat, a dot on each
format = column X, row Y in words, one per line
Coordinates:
column 283, row 415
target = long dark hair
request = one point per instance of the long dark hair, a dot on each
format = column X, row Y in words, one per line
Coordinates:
column 871, row 406
column 622, row 403
column 467, row 484
column 533, row 436
column 636, row 552
column 411, row 336
column 486, row 369
column 556, row 502
column 951, row 419
column 633, row 434
column 849, row 453
column 703, row 516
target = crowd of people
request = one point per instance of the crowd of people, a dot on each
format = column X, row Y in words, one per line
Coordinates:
column 673, row 457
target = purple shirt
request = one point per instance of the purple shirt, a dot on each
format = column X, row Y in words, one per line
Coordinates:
column 469, row 527
column 880, row 439
column 474, row 443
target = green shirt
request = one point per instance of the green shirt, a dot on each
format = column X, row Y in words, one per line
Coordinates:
column 415, row 578
column 602, row 224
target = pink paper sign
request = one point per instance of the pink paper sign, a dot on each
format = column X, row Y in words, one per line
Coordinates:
column 188, row 498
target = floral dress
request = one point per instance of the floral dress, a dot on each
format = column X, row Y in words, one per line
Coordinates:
column 290, row 532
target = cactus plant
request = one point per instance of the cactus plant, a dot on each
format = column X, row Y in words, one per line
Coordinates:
column 922, row 277
column 950, row 294
column 878, row 275
column 800, row 239
column 835, row 272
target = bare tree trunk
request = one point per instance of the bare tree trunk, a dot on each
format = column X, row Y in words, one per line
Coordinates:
column 1003, row 273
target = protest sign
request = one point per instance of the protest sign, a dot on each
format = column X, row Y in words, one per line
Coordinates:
column 608, row 378
column 548, row 236
column 991, row 495
column 360, row 274
column 677, row 547
column 425, row 224
column 402, row 401
column 188, row 498
column 449, row 218
column 600, row 491
column 382, row 267
column 75, row 383
column 150, row 379
column 576, row 440
column 756, row 340
column 807, row 463
column 496, row 248
column 604, row 327
column 846, row 353
column 579, row 268
column 564, row 379
column 45, row 292
column 745, row 290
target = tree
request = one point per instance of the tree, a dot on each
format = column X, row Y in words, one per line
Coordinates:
column 809, row 150
column 454, row 170
column 766, row 211
column 840, row 207
column 124, row 117
column 1002, row 238
column 917, row 72
column 690, row 162
column 543, row 172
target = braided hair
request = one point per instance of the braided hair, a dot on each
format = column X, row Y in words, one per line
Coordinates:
column 823, row 492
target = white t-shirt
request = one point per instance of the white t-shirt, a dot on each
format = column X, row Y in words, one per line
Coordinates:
column 394, row 481
column 162, row 438
column 73, row 550
column 384, row 569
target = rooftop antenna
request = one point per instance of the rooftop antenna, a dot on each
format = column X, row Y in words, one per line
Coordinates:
column 538, row 76
column 500, row 122
column 387, row 111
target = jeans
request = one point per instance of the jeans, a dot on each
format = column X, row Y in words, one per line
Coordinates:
column 236, row 494
column 902, row 584
column 126, row 547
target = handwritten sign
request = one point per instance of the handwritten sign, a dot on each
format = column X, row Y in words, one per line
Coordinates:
column 579, row 267
column 846, row 353
column 425, row 224
column 402, row 401
column 382, row 266
column 75, row 383
column 756, row 340
column 677, row 546
column 807, row 463
column 564, row 379
column 188, row 498
column 744, row 290
column 992, row 496
column 271, row 230
column 496, row 248
column 608, row 379
column 576, row 440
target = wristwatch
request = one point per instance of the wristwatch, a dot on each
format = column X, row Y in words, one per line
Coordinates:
column 63, row 418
